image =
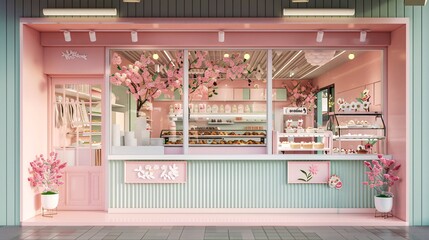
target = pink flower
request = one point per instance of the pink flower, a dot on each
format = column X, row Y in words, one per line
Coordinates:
column 313, row 169
column 365, row 183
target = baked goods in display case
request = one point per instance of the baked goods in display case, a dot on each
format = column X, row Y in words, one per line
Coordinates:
column 309, row 141
column 358, row 133
column 214, row 137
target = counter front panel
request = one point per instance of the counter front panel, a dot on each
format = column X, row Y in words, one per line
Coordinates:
column 241, row 184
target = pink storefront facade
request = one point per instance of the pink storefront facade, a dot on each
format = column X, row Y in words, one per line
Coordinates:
column 226, row 180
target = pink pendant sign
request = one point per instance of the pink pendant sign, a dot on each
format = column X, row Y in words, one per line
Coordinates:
column 155, row 172
column 308, row 172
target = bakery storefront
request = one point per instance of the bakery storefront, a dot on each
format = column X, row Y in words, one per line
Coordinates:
column 233, row 119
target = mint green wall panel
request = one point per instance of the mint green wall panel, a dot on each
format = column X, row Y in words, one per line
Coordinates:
column 3, row 125
column 12, row 107
column 416, row 74
column 242, row 184
column 425, row 115
column 11, row 11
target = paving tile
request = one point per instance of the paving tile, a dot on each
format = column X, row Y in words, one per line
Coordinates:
column 131, row 236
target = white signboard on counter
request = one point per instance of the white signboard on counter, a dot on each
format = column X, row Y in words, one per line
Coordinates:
column 295, row 111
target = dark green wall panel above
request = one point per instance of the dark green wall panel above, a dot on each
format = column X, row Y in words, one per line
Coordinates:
column 217, row 8
column 12, row 10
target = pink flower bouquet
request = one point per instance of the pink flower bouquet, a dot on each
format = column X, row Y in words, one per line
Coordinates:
column 381, row 175
column 46, row 173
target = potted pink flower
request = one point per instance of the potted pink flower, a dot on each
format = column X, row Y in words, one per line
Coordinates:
column 381, row 177
column 46, row 174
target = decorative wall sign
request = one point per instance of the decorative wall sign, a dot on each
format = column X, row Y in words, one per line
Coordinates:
column 295, row 111
column 308, row 172
column 71, row 55
column 155, row 172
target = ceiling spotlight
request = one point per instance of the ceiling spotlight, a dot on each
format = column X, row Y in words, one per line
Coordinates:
column 131, row 1
column 67, row 36
column 319, row 37
column 92, row 36
column 247, row 56
column 155, row 56
column 351, row 56
column 362, row 36
column 134, row 36
column 221, row 36
column 226, row 55
column 300, row 1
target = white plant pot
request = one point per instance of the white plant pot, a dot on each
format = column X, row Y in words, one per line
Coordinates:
column 50, row 201
column 383, row 204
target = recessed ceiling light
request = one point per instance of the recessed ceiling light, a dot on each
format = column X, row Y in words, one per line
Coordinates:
column 226, row 55
column 247, row 56
column 155, row 56
column 351, row 56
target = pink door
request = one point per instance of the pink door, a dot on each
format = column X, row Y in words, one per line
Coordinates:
column 76, row 134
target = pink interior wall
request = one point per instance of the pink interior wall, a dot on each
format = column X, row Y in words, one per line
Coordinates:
column 34, row 115
column 352, row 77
column 161, row 108
column 396, row 115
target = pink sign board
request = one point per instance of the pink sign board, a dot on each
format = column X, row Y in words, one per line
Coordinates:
column 308, row 172
column 155, row 172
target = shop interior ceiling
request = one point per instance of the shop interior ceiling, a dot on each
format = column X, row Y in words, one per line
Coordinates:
column 287, row 64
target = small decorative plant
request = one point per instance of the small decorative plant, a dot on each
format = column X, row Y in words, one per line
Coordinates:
column 46, row 173
column 382, row 175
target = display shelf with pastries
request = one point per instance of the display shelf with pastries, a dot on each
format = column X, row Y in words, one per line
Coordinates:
column 354, row 129
column 216, row 137
column 286, row 143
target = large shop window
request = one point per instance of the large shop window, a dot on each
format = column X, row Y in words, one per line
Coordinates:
column 146, row 101
column 294, row 101
column 227, row 101
column 333, row 102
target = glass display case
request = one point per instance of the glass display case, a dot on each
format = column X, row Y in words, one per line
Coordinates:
column 212, row 136
column 358, row 132
column 313, row 140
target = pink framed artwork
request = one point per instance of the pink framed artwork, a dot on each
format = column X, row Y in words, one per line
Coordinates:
column 308, row 172
column 155, row 172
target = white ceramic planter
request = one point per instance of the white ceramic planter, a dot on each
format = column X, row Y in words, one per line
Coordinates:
column 50, row 201
column 383, row 204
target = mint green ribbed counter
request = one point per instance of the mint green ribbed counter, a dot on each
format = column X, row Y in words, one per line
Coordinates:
column 241, row 184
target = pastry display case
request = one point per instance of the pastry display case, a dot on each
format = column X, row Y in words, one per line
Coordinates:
column 203, row 137
column 303, row 142
column 358, row 132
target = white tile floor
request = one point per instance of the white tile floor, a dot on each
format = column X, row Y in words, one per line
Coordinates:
column 214, row 233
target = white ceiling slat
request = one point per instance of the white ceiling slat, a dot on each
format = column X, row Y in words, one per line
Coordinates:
column 299, row 65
